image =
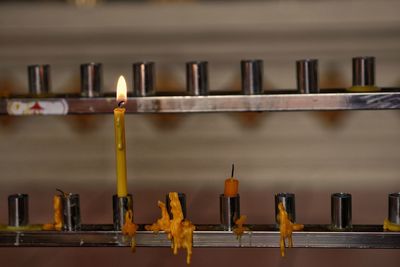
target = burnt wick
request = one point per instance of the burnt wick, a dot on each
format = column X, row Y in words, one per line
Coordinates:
column 121, row 104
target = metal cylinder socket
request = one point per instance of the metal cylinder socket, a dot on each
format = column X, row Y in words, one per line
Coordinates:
column 143, row 79
column 197, row 78
column 252, row 76
column 288, row 201
column 182, row 200
column 18, row 210
column 120, row 206
column 91, row 79
column 394, row 208
column 364, row 71
column 229, row 210
column 307, row 76
column 39, row 79
column 341, row 213
column 71, row 212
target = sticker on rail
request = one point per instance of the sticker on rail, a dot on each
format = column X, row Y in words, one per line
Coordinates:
column 34, row 107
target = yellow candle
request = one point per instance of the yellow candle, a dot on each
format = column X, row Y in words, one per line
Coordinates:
column 119, row 126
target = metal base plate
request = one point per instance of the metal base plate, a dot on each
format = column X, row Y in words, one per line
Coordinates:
column 259, row 236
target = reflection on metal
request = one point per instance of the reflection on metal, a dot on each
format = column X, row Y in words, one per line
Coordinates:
column 314, row 236
column 216, row 103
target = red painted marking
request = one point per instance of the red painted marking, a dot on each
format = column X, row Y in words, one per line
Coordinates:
column 36, row 107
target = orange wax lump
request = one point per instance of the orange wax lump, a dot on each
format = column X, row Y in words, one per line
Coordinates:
column 179, row 231
column 231, row 187
column 186, row 239
column 58, row 223
column 286, row 227
column 130, row 228
column 162, row 224
column 239, row 228
column 387, row 225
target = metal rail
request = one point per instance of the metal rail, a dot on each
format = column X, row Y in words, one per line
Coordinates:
column 260, row 236
column 73, row 104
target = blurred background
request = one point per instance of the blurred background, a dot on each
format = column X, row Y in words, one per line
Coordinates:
column 310, row 154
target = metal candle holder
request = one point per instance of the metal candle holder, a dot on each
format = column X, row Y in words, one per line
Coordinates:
column 143, row 79
column 288, row 201
column 39, row 79
column 120, row 206
column 252, row 76
column 197, row 78
column 229, row 209
column 91, row 79
column 307, row 76
column 394, row 208
column 71, row 212
column 18, row 210
column 364, row 71
column 341, row 212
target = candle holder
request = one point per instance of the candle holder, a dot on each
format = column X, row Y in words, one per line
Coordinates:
column 18, row 210
column 394, row 208
column 363, row 71
column 120, row 206
column 229, row 209
column 39, row 79
column 307, row 76
column 252, row 77
column 288, row 201
column 143, row 79
column 71, row 212
column 182, row 200
column 91, row 79
column 197, row 78
column 341, row 212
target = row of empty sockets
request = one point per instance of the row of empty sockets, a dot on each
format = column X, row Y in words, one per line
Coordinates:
column 197, row 82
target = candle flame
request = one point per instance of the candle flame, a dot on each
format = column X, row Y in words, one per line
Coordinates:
column 121, row 89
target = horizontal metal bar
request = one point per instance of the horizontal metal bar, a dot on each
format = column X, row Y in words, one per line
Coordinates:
column 259, row 236
column 63, row 105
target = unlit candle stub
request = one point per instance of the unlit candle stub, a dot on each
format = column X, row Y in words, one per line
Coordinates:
column 42, row 107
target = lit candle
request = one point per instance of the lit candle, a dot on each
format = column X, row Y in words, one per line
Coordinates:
column 231, row 185
column 119, row 126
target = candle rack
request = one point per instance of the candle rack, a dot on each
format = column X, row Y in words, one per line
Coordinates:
column 259, row 236
column 313, row 236
column 199, row 99
column 388, row 98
